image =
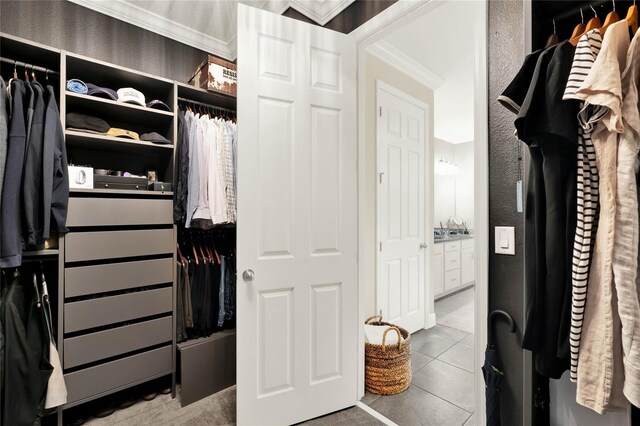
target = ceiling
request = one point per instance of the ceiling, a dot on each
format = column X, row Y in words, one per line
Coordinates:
column 207, row 25
column 442, row 43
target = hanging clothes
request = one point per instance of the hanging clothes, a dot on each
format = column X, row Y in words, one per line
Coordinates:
column 11, row 213
column 600, row 376
column 587, row 190
column 26, row 355
column 549, row 127
column 4, row 134
column 207, row 177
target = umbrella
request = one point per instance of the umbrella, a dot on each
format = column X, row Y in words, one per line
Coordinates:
column 493, row 373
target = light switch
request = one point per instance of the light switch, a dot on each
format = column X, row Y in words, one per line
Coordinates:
column 505, row 240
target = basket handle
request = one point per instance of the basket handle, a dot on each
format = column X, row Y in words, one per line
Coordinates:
column 384, row 337
column 372, row 318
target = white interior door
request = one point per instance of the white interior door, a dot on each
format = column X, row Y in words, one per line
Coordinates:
column 297, row 326
column 402, row 249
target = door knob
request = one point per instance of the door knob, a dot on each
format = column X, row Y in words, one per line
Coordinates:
column 248, row 275
column 423, row 245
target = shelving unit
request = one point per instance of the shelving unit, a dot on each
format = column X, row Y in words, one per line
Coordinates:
column 119, row 256
column 126, row 290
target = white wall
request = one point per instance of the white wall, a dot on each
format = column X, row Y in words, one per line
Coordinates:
column 465, row 182
column 566, row 412
column 453, row 195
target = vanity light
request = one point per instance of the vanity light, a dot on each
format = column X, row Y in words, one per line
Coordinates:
column 445, row 168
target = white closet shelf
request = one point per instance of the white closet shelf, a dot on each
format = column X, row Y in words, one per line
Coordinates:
column 92, row 141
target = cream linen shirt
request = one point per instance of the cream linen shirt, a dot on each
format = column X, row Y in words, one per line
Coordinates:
column 600, row 372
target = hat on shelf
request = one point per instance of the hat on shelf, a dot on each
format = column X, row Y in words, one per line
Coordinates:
column 131, row 95
column 116, row 132
column 86, row 122
column 154, row 138
column 77, row 86
column 157, row 104
column 101, row 92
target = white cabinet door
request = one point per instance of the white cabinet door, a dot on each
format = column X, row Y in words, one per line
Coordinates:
column 438, row 273
column 467, row 265
column 402, row 278
column 297, row 325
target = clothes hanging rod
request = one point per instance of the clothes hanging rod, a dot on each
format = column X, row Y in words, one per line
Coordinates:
column 575, row 11
column 189, row 101
column 29, row 67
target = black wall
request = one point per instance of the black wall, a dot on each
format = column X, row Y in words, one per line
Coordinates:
column 74, row 28
column 506, row 275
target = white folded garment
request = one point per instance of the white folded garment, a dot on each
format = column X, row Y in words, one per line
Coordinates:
column 373, row 334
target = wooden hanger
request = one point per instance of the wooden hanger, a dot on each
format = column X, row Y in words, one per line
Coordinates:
column 579, row 29
column 632, row 17
column 553, row 38
column 611, row 18
column 591, row 25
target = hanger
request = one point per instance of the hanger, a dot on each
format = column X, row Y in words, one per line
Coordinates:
column 46, row 75
column 553, row 38
column 632, row 17
column 15, row 70
column 579, row 29
column 611, row 18
column 591, row 25
column 195, row 253
column 26, row 73
column 33, row 73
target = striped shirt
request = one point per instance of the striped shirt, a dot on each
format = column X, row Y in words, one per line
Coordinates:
column 587, row 189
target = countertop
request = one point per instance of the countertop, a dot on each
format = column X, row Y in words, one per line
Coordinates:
column 450, row 238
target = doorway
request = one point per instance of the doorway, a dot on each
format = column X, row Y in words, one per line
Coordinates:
column 422, row 55
column 402, row 214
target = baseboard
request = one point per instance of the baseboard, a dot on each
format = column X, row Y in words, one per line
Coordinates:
column 375, row 414
column 431, row 320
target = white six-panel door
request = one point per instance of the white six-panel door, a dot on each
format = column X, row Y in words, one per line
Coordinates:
column 297, row 325
column 402, row 250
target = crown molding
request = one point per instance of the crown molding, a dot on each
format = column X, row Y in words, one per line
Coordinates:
column 392, row 56
column 135, row 15
column 321, row 11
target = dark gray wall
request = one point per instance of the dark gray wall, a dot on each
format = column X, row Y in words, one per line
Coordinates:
column 506, row 51
column 67, row 26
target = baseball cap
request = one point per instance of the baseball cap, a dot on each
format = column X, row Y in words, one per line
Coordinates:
column 154, row 138
column 86, row 122
column 101, row 92
column 157, row 104
column 123, row 133
column 131, row 95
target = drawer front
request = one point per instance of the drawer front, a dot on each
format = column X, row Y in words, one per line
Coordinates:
column 468, row 244
column 207, row 367
column 451, row 261
column 451, row 280
column 105, row 344
column 112, row 309
column 117, row 374
column 80, row 246
column 119, row 211
column 438, row 248
column 85, row 280
column 452, row 246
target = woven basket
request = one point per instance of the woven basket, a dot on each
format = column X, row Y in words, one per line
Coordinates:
column 388, row 368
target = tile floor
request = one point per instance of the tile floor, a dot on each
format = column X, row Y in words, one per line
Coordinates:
column 442, row 360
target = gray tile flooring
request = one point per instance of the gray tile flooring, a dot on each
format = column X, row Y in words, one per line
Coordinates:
column 442, row 361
